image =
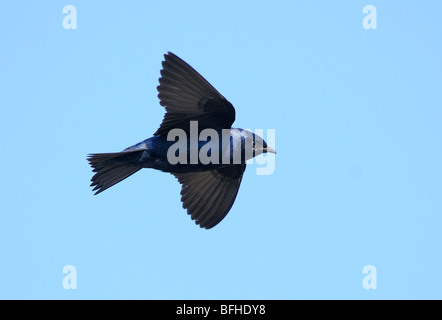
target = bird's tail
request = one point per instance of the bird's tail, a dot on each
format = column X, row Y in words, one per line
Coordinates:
column 112, row 168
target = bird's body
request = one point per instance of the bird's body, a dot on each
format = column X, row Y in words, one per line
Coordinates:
column 195, row 143
column 155, row 152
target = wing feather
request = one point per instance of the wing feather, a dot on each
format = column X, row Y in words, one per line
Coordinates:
column 209, row 195
column 187, row 96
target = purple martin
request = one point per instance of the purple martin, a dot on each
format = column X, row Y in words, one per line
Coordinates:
column 193, row 107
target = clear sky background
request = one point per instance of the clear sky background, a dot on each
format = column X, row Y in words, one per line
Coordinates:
column 357, row 115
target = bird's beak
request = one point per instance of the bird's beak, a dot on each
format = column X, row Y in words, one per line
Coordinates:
column 270, row 150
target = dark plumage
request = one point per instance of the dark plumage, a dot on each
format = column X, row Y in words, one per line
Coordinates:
column 208, row 189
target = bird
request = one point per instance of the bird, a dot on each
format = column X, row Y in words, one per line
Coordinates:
column 210, row 171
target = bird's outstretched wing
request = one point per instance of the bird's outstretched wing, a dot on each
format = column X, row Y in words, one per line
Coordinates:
column 209, row 195
column 187, row 96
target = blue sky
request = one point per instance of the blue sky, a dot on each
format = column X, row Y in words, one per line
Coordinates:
column 357, row 181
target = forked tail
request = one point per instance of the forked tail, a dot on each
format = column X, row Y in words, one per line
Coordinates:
column 112, row 168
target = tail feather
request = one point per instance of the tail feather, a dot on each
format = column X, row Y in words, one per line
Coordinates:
column 112, row 168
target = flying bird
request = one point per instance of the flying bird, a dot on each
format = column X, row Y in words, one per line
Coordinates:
column 194, row 108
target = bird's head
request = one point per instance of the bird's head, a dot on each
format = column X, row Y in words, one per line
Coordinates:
column 254, row 145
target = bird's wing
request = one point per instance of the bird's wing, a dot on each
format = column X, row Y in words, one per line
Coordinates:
column 187, row 96
column 209, row 195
